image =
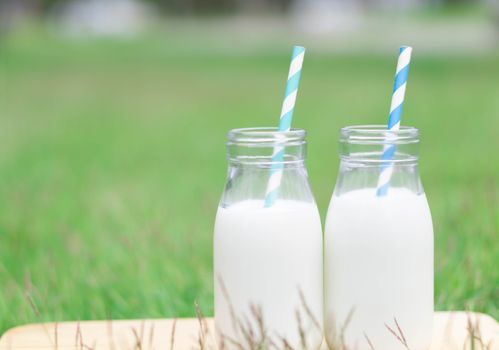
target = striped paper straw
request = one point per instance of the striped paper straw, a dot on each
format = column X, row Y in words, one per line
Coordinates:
column 394, row 119
column 288, row 107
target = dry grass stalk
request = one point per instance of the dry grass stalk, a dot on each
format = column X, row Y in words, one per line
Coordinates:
column 203, row 327
column 225, row 293
column 79, row 340
column 338, row 337
column 344, row 328
column 257, row 313
column 90, row 347
column 301, row 330
column 151, row 337
column 248, row 334
column 138, row 339
column 475, row 335
column 399, row 334
column 172, row 334
column 78, row 337
column 56, row 336
column 254, row 331
column 286, row 345
column 110, row 334
column 371, row 346
column 232, row 341
column 142, row 328
column 309, row 312
column 32, row 304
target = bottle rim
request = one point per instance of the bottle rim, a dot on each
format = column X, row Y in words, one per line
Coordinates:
column 378, row 135
column 265, row 137
column 257, row 146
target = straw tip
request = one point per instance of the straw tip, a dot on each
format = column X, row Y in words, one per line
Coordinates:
column 405, row 47
column 298, row 48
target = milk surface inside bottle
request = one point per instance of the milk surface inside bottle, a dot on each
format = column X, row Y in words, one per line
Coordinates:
column 378, row 248
column 267, row 260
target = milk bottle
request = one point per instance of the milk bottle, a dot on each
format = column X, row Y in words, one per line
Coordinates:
column 378, row 249
column 267, row 260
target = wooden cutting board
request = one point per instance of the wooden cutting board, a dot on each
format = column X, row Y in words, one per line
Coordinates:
column 451, row 332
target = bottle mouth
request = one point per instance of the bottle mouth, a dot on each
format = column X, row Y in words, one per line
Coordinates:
column 265, row 137
column 367, row 144
column 259, row 146
column 378, row 135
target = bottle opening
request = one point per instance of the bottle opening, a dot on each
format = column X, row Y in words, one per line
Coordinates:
column 266, row 136
column 378, row 135
column 367, row 143
column 260, row 145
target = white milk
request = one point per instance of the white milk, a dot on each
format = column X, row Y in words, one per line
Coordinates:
column 379, row 266
column 264, row 256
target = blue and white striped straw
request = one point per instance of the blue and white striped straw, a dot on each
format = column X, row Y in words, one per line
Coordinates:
column 288, row 107
column 394, row 119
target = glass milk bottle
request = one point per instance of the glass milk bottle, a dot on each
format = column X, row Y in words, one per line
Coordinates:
column 268, row 258
column 378, row 247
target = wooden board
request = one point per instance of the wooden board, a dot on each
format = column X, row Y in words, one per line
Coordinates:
column 451, row 332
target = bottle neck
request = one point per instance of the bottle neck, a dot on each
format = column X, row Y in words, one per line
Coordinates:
column 367, row 151
column 259, row 154
column 266, row 148
column 374, row 145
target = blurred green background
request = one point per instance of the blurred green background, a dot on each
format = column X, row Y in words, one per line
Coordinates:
column 112, row 131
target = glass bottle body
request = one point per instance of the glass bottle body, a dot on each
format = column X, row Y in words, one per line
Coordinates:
column 267, row 260
column 378, row 248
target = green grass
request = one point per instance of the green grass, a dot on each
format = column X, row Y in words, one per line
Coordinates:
column 112, row 161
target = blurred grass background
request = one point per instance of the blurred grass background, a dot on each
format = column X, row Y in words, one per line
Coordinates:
column 112, row 161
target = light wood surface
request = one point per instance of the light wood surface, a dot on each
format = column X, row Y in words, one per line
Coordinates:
column 451, row 332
